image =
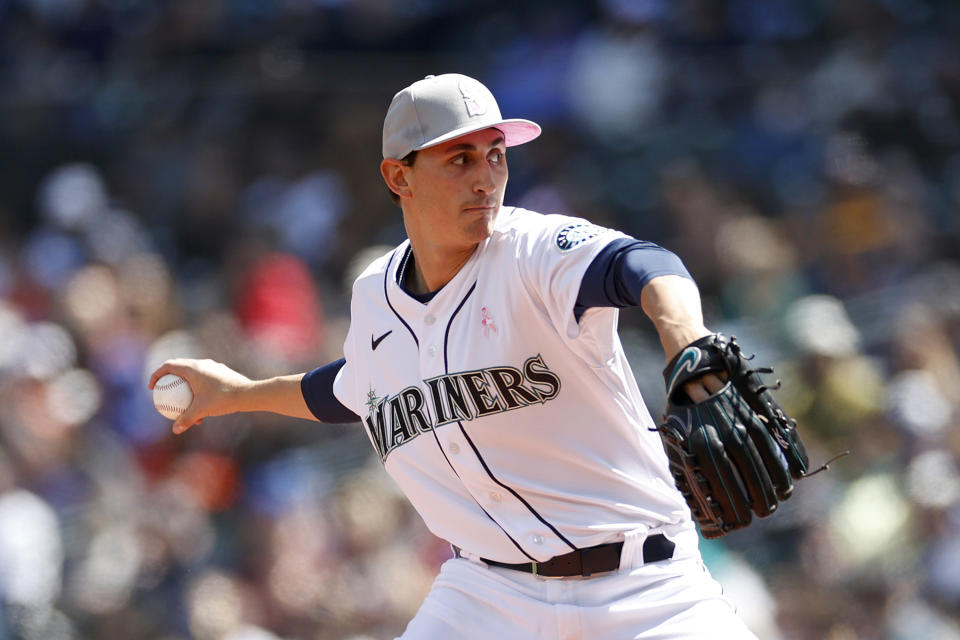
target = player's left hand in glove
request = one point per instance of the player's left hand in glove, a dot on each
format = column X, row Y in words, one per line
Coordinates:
column 735, row 453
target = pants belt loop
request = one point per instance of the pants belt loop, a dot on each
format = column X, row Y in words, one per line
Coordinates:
column 631, row 556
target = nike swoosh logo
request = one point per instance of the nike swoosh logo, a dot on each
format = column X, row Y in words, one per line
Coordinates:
column 376, row 343
column 688, row 361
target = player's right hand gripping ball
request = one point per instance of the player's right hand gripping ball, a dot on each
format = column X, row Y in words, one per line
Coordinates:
column 172, row 396
column 736, row 452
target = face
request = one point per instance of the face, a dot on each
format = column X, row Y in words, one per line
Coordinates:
column 456, row 189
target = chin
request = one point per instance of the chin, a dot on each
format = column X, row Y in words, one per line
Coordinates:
column 481, row 229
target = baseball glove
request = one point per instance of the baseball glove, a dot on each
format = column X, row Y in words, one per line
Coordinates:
column 734, row 453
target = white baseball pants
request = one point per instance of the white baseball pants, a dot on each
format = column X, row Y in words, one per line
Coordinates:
column 662, row 601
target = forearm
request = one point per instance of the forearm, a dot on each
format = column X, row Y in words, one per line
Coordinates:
column 673, row 305
column 219, row 390
column 281, row 395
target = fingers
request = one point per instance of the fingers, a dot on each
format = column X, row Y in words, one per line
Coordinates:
column 705, row 386
column 192, row 415
column 184, row 422
column 696, row 391
column 183, row 367
column 713, row 382
column 213, row 386
column 178, row 367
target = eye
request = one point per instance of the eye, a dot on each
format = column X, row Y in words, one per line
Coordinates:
column 496, row 157
column 459, row 160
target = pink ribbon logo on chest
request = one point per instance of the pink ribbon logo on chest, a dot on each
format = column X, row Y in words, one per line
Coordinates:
column 486, row 321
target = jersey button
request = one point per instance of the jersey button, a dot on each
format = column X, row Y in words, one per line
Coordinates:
column 430, row 320
column 454, row 448
column 537, row 539
column 431, row 351
column 495, row 496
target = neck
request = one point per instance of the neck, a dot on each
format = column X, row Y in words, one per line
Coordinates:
column 432, row 268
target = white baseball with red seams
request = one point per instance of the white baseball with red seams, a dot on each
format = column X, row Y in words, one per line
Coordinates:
column 172, row 396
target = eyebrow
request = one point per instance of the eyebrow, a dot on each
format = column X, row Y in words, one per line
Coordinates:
column 465, row 146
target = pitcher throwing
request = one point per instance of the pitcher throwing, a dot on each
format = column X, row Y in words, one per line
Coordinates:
column 483, row 362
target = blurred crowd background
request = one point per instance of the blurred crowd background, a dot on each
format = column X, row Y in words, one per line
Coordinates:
column 201, row 179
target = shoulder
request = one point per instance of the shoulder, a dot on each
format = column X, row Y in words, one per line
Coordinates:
column 373, row 273
column 519, row 220
column 560, row 232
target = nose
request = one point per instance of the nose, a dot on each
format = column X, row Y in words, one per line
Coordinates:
column 485, row 182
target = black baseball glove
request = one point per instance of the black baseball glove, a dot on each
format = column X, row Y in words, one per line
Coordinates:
column 734, row 453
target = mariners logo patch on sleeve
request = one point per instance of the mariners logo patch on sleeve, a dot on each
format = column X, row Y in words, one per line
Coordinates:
column 573, row 235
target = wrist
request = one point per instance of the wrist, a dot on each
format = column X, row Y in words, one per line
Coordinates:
column 241, row 393
column 674, row 337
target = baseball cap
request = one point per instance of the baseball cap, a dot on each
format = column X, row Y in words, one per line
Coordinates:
column 444, row 107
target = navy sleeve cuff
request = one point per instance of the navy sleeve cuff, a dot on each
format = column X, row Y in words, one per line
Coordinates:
column 317, row 389
column 618, row 274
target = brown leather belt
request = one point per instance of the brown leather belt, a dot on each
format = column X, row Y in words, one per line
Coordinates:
column 585, row 562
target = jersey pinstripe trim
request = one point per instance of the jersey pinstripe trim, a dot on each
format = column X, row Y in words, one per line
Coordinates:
column 446, row 369
column 476, row 451
column 386, row 295
column 486, row 513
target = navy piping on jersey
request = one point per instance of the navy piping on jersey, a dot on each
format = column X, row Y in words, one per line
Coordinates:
column 386, row 296
column 446, row 333
column 486, row 513
column 444, row 453
column 386, row 274
column 402, row 267
column 422, row 298
column 446, row 370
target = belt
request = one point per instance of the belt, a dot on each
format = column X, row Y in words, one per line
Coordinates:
column 585, row 562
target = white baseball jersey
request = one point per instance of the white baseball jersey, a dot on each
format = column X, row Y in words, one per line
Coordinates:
column 517, row 432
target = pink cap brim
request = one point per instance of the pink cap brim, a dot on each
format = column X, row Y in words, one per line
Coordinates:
column 515, row 131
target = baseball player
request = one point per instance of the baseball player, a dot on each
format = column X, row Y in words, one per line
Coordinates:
column 483, row 362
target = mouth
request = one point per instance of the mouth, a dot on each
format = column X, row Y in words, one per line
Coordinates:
column 483, row 208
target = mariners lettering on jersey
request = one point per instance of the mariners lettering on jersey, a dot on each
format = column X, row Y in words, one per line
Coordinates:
column 467, row 395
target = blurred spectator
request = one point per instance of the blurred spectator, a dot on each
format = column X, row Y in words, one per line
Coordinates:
column 200, row 180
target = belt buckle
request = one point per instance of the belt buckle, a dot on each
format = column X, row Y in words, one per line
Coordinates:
column 535, row 570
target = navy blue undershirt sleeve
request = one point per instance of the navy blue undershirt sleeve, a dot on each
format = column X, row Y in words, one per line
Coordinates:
column 317, row 389
column 618, row 274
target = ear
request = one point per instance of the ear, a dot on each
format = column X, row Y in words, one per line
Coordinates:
column 394, row 174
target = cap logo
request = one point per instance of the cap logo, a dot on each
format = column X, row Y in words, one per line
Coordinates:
column 469, row 93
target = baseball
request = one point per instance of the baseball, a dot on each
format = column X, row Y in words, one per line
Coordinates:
column 172, row 396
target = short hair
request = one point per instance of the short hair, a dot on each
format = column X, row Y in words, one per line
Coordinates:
column 406, row 160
